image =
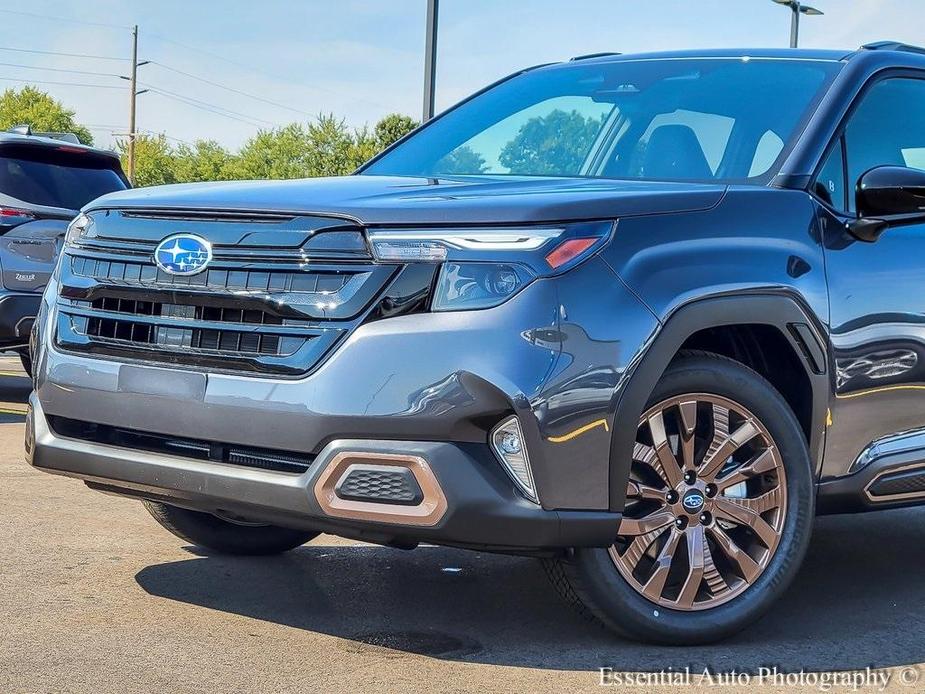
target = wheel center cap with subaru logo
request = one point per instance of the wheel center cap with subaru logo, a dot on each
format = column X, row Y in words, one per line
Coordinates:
column 692, row 501
column 183, row 254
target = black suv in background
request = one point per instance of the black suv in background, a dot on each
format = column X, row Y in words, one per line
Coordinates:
column 45, row 178
column 642, row 316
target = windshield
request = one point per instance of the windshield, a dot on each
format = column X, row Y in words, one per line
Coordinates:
column 55, row 179
column 722, row 119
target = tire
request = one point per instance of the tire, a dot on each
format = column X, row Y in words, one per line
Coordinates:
column 604, row 584
column 26, row 360
column 224, row 537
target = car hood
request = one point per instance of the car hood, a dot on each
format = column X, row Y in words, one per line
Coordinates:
column 378, row 200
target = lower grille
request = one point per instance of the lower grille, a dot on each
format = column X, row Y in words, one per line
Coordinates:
column 222, row 340
column 380, row 483
column 263, row 459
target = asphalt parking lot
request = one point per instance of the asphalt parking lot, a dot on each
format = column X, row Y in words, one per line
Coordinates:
column 94, row 596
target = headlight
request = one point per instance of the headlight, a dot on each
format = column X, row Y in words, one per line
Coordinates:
column 484, row 266
column 78, row 229
column 464, row 286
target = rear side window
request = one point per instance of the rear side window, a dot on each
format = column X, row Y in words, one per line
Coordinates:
column 55, row 180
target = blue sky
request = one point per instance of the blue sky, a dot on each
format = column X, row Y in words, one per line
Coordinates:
column 363, row 58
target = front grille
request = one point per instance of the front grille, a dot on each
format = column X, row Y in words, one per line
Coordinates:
column 216, row 339
column 274, row 300
column 146, row 273
column 198, row 449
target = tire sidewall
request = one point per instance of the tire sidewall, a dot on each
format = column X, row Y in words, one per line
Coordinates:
column 626, row 609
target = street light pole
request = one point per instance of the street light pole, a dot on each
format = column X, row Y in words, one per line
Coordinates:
column 430, row 59
column 797, row 8
column 795, row 25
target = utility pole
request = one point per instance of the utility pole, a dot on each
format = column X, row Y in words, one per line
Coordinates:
column 430, row 59
column 133, row 96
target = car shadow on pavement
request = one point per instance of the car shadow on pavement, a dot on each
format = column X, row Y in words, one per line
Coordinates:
column 856, row 603
column 15, row 388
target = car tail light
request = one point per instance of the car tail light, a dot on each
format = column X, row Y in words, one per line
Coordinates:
column 15, row 212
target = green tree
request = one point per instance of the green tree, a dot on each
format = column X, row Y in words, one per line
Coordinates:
column 204, row 160
column 323, row 147
column 30, row 106
column 393, row 127
column 155, row 160
column 365, row 147
column 277, row 153
column 330, row 147
column 553, row 144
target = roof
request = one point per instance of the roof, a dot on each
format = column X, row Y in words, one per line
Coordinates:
column 781, row 53
column 39, row 141
column 884, row 50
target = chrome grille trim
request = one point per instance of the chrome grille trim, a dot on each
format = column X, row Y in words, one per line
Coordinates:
column 131, row 271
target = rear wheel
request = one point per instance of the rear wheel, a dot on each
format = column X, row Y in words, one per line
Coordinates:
column 718, row 515
column 224, row 537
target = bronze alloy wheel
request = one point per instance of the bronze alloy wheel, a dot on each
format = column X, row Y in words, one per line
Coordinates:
column 705, row 506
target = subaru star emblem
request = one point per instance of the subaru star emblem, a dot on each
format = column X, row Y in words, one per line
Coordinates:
column 183, row 254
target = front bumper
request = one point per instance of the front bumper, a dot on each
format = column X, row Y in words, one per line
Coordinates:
column 17, row 314
column 480, row 507
column 549, row 355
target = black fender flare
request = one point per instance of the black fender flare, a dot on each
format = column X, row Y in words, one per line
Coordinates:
column 782, row 310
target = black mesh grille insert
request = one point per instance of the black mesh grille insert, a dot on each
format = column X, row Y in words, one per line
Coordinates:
column 264, row 459
column 380, row 483
column 909, row 482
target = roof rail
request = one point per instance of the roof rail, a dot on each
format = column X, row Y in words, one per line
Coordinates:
column 27, row 130
column 893, row 46
column 593, row 55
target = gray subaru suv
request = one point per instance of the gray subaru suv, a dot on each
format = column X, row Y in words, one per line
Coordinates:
column 642, row 317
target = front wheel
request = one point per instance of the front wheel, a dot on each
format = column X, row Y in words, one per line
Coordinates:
column 718, row 516
column 224, row 537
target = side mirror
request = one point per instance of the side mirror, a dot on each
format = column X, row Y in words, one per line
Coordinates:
column 887, row 195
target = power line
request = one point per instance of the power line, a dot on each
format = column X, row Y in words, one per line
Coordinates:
column 62, row 84
column 230, row 89
column 258, row 71
column 60, row 69
column 67, row 55
column 211, row 108
column 69, row 20
column 200, row 102
column 169, row 137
